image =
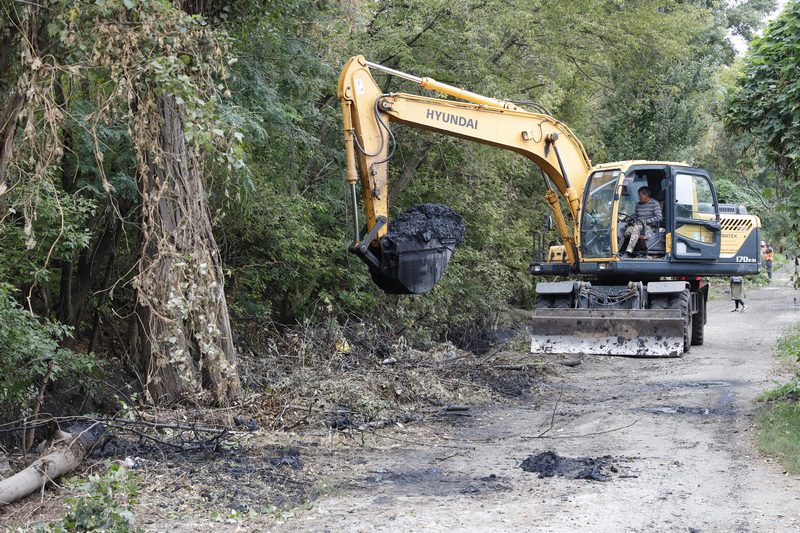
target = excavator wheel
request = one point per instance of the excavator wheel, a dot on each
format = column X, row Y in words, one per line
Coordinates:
column 659, row 302
column 680, row 301
column 699, row 321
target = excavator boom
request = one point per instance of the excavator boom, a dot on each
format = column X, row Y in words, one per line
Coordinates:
column 366, row 112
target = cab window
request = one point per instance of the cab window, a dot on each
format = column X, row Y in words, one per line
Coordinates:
column 694, row 201
column 693, row 197
column 596, row 220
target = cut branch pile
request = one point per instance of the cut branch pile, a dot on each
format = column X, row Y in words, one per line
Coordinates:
column 352, row 376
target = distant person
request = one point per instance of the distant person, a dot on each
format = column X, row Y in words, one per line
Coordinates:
column 737, row 294
column 648, row 213
column 768, row 256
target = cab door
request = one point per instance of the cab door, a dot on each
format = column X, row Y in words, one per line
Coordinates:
column 696, row 234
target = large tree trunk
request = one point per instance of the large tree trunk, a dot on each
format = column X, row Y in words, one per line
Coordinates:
column 9, row 114
column 182, row 335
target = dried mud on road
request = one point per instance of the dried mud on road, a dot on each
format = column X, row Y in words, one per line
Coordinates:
column 677, row 431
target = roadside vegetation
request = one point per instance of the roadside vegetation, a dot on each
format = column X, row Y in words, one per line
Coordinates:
column 765, row 104
column 779, row 423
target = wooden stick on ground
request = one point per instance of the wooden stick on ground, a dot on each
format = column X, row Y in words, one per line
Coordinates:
column 27, row 440
column 65, row 454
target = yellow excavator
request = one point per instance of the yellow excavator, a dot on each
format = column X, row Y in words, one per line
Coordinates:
column 597, row 298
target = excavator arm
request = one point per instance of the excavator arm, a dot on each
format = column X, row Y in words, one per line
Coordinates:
column 367, row 113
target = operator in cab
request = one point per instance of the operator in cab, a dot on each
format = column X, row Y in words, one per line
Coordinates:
column 648, row 213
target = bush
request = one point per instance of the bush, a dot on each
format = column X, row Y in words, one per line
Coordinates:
column 789, row 346
column 28, row 346
column 779, row 422
column 107, row 505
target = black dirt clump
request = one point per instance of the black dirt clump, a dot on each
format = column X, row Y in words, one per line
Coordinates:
column 291, row 460
column 549, row 464
column 425, row 222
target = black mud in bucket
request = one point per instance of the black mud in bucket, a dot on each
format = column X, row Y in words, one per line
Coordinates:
column 414, row 253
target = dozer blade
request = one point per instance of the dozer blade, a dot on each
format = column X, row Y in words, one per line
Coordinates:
column 632, row 332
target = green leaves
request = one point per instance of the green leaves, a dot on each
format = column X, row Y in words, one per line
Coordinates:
column 766, row 100
column 28, row 345
column 107, row 504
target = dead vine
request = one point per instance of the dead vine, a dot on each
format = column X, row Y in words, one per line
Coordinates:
column 158, row 72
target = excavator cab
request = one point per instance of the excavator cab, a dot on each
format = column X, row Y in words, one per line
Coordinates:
column 690, row 224
column 611, row 199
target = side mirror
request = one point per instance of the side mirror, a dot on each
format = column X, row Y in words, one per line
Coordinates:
column 548, row 223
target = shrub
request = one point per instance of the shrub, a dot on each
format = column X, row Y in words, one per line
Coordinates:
column 107, row 505
column 28, row 346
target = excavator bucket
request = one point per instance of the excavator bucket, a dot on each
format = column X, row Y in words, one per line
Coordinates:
column 631, row 332
column 415, row 252
column 411, row 267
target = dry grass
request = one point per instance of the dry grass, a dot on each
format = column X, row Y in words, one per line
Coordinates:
column 317, row 394
column 340, row 376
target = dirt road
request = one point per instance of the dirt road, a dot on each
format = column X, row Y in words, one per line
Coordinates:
column 678, row 432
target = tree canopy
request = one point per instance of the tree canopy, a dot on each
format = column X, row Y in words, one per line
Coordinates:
column 766, row 104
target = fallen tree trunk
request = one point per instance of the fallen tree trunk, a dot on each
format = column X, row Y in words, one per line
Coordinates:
column 65, row 454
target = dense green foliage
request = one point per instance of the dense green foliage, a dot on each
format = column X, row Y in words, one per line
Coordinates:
column 28, row 348
column 767, row 96
column 766, row 104
column 257, row 79
column 105, row 505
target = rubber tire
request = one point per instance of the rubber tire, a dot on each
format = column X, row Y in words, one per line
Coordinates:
column 699, row 321
column 681, row 301
column 658, row 302
column 543, row 302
